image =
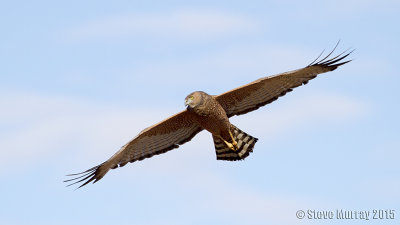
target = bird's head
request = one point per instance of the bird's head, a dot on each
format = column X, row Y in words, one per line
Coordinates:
column 194, row 99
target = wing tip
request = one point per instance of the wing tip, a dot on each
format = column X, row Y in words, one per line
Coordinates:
column 334, row 62
column 93, row 174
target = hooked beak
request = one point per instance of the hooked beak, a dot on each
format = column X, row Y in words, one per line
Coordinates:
column 187, row 102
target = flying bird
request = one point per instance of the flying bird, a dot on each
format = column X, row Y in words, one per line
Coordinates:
column 212, row 113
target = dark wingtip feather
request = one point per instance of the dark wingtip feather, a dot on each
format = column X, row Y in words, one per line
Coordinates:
column 333, row 62
column 87, row 176
column 74, row 174
column 317, row 58
column 329, row 53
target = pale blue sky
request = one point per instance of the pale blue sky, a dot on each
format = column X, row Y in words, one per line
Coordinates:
column 80, row 79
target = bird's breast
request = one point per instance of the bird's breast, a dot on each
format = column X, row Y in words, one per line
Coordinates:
column 213, row 118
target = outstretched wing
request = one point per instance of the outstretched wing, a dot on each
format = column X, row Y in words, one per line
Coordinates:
column 162, row 137
column 266, row 90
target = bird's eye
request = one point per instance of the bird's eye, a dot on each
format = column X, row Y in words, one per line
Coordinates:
column 191, row 97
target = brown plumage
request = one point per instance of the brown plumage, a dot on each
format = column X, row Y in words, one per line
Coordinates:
column 212, row 114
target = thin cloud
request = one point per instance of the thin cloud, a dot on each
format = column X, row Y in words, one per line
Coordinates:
column 238, row 202
column 179, row 24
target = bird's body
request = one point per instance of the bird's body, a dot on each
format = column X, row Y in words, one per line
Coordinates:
column 230, row 142
column 212, row 113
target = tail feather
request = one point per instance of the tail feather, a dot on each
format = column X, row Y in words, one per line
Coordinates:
column 245, row 144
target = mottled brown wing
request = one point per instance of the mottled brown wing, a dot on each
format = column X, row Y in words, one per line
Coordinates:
column 266, row 90
column 157, row 139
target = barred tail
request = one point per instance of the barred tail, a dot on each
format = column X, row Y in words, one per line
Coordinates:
column 245, row 144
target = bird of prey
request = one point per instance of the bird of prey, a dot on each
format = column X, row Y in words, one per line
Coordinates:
column 212, row 113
